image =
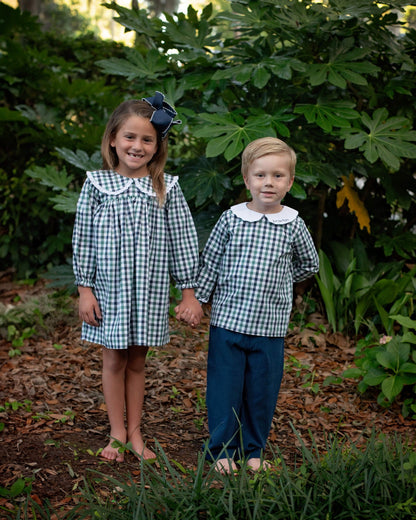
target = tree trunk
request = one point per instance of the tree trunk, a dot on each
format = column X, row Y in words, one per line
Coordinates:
column 33, row 6
column 160, row 6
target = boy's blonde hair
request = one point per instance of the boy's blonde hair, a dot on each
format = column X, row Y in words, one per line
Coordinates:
column 156, row 166
column 267, row 146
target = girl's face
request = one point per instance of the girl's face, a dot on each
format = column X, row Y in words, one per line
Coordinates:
column 268, row 179
column 135, row 143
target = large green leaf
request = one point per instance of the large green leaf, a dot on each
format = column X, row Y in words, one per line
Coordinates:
column 342, row 65
column 10, row 115
column 388, row 139
column 137, row 20
column 80, row 159
column 328, row 114
column 392, row 386
column 190, row 31
column 66, row 202
column 230, row 133
column 261, row 71
column 51, row 177
column 135, row 65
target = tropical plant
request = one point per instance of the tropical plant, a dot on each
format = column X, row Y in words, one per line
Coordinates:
column 389, row 363
column 335, row 79
column 355, row 291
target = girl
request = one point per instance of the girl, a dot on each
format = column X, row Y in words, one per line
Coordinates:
column 133, row 230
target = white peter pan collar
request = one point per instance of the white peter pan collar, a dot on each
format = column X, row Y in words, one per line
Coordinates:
column 112, row 183
column 245, row 213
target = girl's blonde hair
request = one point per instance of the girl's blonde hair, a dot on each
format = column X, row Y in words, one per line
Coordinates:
column 157, row 164
column 266, row 146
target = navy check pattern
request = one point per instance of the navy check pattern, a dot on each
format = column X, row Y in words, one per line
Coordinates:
column 250, row 268
column 126, row 248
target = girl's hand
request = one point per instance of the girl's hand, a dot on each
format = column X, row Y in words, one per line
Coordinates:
column 89, row 310
column 189, row 309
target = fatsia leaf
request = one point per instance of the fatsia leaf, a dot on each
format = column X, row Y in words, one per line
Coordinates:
column 342, row 66
column 328, row 114
column 80, row 159
column 66, row 202
column 204, row 181
column 230, row 133
column 137, row 20
column 388, row 139
column 50, row 176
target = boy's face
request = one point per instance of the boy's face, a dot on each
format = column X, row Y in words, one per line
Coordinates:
column 268, row 179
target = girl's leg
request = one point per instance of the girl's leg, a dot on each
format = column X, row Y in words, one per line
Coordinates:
column 135, row 385
column 114, row 366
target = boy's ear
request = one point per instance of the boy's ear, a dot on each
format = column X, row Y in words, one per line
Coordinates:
column 245, row 181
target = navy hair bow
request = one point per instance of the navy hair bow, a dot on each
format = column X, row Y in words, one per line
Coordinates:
column 163, row 116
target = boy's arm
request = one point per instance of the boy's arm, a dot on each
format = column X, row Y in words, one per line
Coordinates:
column 305, row 257
column 210, row 263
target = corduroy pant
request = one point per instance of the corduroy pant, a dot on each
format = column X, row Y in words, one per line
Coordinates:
column 243, row 382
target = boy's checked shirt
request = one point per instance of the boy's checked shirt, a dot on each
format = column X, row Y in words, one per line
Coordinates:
column 250, row 262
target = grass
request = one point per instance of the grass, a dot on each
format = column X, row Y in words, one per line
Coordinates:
column 373, row 481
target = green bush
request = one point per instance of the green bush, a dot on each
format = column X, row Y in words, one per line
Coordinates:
column 336, row 80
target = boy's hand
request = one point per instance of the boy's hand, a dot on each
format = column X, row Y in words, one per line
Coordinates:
column 89, row 310
column 189, row 309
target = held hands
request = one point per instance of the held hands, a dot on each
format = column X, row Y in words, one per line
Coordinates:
column 189, row 309
column 89, row 310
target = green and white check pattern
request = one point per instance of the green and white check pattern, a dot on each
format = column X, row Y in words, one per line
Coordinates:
column 250, row 263
column 126, row 247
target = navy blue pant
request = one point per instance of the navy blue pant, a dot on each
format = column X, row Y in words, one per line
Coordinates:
column 243, row 382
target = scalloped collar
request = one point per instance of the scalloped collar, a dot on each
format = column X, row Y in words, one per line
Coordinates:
column 112, row 183
column 245, row 213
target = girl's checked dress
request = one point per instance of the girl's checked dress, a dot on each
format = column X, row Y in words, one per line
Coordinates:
column 126, row 248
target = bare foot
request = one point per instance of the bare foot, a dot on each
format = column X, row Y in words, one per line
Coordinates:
column 111, row 453
column 139, row 448
column 225, row 466
column 256, row 464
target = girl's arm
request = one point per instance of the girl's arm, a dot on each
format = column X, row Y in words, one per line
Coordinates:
column 84, row 256
column 183, row 255
column 89, row 310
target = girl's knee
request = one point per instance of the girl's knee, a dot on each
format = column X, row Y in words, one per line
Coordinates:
column 114, row 360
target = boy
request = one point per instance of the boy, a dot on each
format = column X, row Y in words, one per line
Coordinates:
column 255, row 253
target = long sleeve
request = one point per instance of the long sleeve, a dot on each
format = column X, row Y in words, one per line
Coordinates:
column 183, row 241
column 84, row 252
column 305, row 257
column 211, row 260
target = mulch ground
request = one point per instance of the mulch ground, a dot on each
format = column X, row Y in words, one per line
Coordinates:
column 55, row 422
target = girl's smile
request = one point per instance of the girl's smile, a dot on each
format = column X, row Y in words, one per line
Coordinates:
column 135, row 143
column 268, row 179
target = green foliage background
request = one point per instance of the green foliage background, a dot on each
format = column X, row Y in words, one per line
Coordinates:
column 336, row 81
